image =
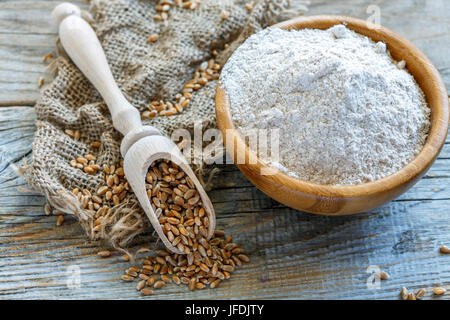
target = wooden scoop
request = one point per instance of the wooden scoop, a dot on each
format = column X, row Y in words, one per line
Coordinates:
column 141, row 145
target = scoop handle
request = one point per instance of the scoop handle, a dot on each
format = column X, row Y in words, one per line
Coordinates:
column 83, row 47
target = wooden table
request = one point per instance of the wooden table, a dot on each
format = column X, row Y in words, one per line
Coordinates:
column 294, row 255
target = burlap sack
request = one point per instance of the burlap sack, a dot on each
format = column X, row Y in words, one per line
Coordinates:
column 144, row 72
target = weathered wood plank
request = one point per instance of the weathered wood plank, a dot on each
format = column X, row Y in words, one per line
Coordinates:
column 294, row 254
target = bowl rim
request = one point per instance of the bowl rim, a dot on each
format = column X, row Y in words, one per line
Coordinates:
column 416, row 167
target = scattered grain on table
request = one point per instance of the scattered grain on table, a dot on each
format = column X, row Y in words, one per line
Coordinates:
column 153, row 38
column 444, row 249
column 383, row 275
column 404, row 293
column 47, row 57
column 420, row 293
column 60, row 220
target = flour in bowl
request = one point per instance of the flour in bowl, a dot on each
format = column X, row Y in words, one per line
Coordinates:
column 347, row 112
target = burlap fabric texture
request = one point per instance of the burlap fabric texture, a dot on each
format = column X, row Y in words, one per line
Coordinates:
column 145, row 72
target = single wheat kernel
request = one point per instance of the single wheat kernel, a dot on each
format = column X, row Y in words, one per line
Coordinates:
column 153, row 114
column 102, row 190
column 97, row 199
column 160, row 260
column 140, row 285
column 439, row 291
column 120, row 172
column 165, row 278
column 147, row 292
column 108, row 195
column 132, row 273
column 215, row 283
column 243, row 257
column 227, row 268
column 145, row 114
column 48, row 56
column 143, row 276
column 159, row 284
column 192, row 284
column 82, row 160
column 176, row 279
column 117, row 189
column 133, row 269
column 219, row 233
column 199, row 285
column 411, row 296
column 89, row 170
column 115, row 200
column 41, row 82
column 383, row 275
column 249, row 6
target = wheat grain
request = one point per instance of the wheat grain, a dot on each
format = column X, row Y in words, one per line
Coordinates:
column 224, row 15
column 153, row 38
column 147, row 292
column 60, row 220
column 420, row 293
column 444, row 249
column 439, row 291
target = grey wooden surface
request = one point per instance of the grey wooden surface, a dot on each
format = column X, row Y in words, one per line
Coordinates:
column 294, row 255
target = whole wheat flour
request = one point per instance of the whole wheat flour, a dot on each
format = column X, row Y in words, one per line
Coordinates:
column 347, row 112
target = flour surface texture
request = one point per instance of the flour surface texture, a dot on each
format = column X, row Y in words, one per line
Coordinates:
column 347, row 113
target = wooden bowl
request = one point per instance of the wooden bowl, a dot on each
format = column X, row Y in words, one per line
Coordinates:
column 341, row 200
